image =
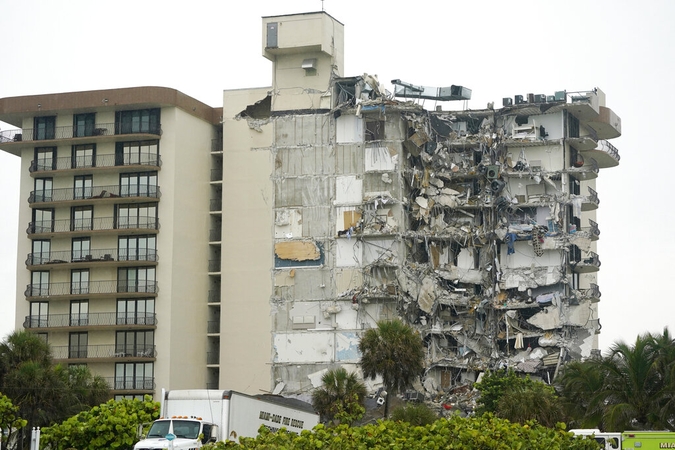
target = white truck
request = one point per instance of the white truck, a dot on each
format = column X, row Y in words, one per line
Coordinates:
column 190, row 419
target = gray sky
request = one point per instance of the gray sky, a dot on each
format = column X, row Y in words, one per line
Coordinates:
column 494, row 47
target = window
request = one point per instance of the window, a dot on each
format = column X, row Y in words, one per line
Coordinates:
column 136, row 311
column 44, row 128
column 374, row 130
column 39, row 314
column 573, row 126
column 139, row 121
column 77, row 345
column 141, row 152
column 39, row 283
column 83, row 125
column 136, row 216
column 43, row 220
column 83, row 156
column 40, row 251
column 137, row 248
column 83, row 186
column 136, row 279
column 134, row 376
column 43, row 190
column 79, row 313
column 81, row 218
column 45, row 158
column 81, row 249
column 138, row 184
column 79, row 281
column 135, row 343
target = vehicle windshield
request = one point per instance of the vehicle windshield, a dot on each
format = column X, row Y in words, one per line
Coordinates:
column 159, row 429
column 188, row 429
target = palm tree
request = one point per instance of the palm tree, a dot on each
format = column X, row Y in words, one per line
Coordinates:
column 340, row 398
column 631, row 388
column 43, row 391
column 528, row 401
column 581, row 384
column 393, row 351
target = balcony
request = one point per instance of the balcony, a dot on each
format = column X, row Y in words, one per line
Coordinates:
column 585, row 105
column 130, row 383
column 591, row 201
column 607, row 124
column 67, row 258
column 586, row 265
column 77, row 226
column 86, row 194
column 110, row 319
column 92, row 163
column 216, row 174
column 216, row 145
column 216, row 204
column 214, row 265
column 593, row 230
column 213, row 358
column 604, row 153
column 91, row 289
column 214, row 296
column 593, row 293
column 105, row 351
column 99, row 130
column 213, row 327
column 589, row 170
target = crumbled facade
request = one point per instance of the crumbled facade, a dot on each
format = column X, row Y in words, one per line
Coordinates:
column 476, row 227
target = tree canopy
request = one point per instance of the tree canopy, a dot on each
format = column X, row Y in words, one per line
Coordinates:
column 340, row 397
column 393, row 351
column 632, row 388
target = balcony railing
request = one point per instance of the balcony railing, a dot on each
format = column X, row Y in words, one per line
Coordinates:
column 88, row 193
column 594, row 228
column 103, row 351
column 91, row 256
column 130, row 383
column 84, row 162
column 95, row 224
column 89, row 320
column 70, row 132
column 609, row 149
column 91, row 287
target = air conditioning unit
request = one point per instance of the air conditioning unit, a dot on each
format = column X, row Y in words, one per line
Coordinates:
column 507, row 101
column 519, row 100
column 560, row 96
column 540, row 98
column 496, row 186
column 550, row 98
column 492, row 172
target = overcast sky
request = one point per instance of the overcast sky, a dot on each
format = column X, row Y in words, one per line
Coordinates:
column 496, row 48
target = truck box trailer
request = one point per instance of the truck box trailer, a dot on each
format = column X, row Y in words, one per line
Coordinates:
column 192, row 418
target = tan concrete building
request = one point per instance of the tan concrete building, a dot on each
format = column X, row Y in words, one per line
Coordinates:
column 113, row 252
column 301, row 214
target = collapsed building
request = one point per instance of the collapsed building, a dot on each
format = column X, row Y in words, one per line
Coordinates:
column 475, row 227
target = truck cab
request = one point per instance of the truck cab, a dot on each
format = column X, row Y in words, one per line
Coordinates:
column 178, row 432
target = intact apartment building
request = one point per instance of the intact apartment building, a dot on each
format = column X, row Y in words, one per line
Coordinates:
column 184, row 246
